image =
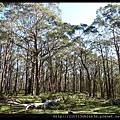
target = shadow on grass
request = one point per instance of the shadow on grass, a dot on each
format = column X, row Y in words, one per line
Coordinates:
column 12, row 109
column 76, row 103
column 109, row 109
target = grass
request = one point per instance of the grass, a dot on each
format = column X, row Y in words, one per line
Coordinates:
column 77, row 103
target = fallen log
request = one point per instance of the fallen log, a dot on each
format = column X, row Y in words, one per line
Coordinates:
column 13, row 103
column 35, row 105
column 45, row 104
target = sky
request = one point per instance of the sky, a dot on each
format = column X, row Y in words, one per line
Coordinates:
column 76, row 13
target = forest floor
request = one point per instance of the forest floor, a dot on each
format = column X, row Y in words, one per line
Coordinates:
column 78, row 103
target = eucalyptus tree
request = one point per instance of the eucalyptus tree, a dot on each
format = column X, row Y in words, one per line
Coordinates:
column 107, row 39
column 6, row 62
column 109, row 18
column 34, row 25
column 82, row 47
column 6, row 56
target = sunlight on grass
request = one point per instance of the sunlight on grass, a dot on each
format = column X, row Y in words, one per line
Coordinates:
column 4, row 108
column 109, row 109
column 76, row 102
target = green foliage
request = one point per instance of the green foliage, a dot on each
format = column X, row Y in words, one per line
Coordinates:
column 77, row 103
column 34, row 34
column 1, row 5
column 4, row 108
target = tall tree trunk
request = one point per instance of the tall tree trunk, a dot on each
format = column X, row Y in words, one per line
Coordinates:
column 16, row 80
column 26, row 82
column 37, row 79
column 36, row 64
column 68, row 83
column 109, row 80
column 117, row 49
column 88, row 75
column 10, row 77
column 56, row 75
column 29, row 85
column 27, row 71
column 51, row 74
column 73, row 74
column 4, row 78
column 95, row 83
column 32, row 78
column 102, row 94
column 60, row 78
column 105, row 74
column 112, row 78
column 81, row 90
column 65, row 75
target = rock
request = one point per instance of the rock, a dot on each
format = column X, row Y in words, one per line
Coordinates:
column 116, row 102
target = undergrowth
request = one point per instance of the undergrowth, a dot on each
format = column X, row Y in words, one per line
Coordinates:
column 78, row 103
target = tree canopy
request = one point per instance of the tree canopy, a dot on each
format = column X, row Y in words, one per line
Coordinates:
column 41, row 53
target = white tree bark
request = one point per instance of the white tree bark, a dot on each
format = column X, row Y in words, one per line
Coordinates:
column 45, row 104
